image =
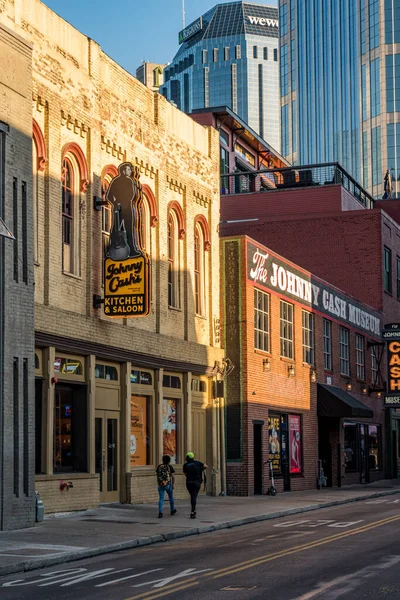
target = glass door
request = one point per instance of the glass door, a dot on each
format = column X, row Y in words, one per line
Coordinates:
column 107, row 454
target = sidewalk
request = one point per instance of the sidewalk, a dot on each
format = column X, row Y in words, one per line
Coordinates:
column 119, row 527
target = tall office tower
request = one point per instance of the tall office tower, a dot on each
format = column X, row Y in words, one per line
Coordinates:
column 229, row 57
column 340, row 86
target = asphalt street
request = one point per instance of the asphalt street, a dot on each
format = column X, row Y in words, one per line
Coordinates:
column 350, row 551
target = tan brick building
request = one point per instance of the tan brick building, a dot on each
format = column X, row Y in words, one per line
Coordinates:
column 113, row 395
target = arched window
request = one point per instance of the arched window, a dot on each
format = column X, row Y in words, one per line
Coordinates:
column 74, row 181
column 68, row 215
column 173, row 261
column 35, row 201
column 144, row 222
column 199, row 270
column 202, row 244
column 39, row 160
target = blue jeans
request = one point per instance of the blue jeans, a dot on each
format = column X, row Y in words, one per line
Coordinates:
column 170, row 492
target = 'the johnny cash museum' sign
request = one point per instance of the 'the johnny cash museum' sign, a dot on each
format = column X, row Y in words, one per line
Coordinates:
column 126, row 264
column 270, row 271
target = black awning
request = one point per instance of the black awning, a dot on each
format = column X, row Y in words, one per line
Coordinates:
column 335, row 402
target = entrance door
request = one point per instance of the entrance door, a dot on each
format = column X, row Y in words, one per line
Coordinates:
column 258, row 461
column 107, row 454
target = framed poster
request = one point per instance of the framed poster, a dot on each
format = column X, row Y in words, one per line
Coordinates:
column 295, row 444
column 170, row 428
column 274, row 437
column 139, row 433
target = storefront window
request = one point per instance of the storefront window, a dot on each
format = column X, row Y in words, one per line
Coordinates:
column 68, row 366
column 106, row 372
column 171, row 428
column 374, row 447
column 140, row 434
column 171, row 381
column 70, row 429
column 351, row 446
column 142, row 377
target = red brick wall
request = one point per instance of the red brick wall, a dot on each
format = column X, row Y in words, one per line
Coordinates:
column 344, row 249
column 327, row 199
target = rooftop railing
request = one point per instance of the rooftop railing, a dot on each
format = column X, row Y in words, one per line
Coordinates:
column 271, row 180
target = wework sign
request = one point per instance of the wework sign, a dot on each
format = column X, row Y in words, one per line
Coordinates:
column 270, row 271
column 262, row 21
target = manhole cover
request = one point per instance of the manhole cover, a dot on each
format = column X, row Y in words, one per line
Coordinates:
column 237, row 588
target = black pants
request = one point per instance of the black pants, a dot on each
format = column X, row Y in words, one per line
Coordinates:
column 193, row 487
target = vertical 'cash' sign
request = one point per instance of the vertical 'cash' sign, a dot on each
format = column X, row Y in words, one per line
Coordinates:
column 126, row 264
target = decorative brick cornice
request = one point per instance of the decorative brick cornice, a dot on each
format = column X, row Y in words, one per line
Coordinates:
column 113, row 149
column 145, row 168
column 73, row 124
column 175, row 185
column 201, row 199
column 40, row 103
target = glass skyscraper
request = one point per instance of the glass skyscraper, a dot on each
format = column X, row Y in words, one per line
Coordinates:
column 340, row 86
column 229, row 57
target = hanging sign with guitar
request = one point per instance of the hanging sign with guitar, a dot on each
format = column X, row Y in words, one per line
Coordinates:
column 126, row 264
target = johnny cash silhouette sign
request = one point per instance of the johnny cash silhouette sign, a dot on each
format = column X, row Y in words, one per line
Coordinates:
column 126, row 264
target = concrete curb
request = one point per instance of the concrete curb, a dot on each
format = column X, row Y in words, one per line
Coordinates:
column 32, row 565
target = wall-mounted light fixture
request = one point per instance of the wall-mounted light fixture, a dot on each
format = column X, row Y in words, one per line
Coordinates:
column 379, row 394
column 291, row 371
column 348, row 386
column 313, row 375
column 364, row 389
column 266, row 364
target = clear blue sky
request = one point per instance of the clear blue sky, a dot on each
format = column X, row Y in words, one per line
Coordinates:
column 131, row 31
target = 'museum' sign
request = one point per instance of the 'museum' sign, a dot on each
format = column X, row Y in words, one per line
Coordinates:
column 270, row 271
column 126, row 264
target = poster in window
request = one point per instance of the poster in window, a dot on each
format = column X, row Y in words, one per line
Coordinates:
column 274, row 428
column 295, row 443
column 138, row 434
column 169, row 428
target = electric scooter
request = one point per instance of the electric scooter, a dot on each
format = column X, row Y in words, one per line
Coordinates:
column 271, row 491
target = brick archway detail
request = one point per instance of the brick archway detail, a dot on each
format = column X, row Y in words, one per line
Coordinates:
column 38, row 140
column 202, row 221
column 177, row 209
column 77, row 153
column 152, row 204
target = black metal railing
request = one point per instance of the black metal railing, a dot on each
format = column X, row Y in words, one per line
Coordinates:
column 269, row 180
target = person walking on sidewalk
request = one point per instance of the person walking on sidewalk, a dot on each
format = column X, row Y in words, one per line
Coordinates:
column 165, row 482
column 193, row 470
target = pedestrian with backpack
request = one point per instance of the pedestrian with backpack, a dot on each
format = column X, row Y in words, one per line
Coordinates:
column 193, row 470
column 165, row 482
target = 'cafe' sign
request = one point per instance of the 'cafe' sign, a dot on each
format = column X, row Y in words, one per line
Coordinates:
column 270, row 271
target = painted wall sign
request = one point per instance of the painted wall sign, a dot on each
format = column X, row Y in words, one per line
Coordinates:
column 190, row 30
column 126, row 264
column 271, row 272
column 391, row 331
column 392, row 396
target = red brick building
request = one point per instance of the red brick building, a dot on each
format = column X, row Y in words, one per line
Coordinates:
column 287, row 331
column 334, row 229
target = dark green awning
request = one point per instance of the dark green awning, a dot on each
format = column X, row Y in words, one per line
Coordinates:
column 332, row 401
